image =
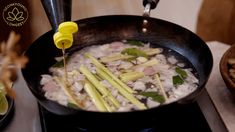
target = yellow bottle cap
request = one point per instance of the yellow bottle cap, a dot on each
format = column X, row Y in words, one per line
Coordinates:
column 63, row 40
column 68, row 27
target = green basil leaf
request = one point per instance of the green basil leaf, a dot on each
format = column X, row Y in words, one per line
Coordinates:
column 177, row 80
column 181, row 72
column 135, row 42
column 134, row 52
column 154, row 96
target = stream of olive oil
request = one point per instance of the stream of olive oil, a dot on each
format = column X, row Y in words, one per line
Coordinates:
column 65, row 65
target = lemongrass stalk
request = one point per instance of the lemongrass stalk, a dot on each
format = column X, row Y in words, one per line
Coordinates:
column 97, row 77
column 99, row 86
column 121, row 90
column 152, row 51
column 114, row 57
column 149, row 63
column 109, row 108
column 102, row 99
column 95, row 97
column 68, row 91
column 161, row 87
column 101, row 66
column 130, row 76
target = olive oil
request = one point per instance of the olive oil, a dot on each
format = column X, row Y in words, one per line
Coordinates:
column 65, row 65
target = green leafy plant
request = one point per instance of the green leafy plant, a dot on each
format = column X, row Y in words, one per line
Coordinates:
column 177, row 80
column 154, row 96
column 181, row 72
column 134, row 52
column 135, row 42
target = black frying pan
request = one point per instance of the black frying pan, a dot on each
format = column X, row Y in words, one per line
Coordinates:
column 105, row 29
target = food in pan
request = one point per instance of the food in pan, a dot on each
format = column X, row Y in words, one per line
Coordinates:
column 10, row 62
column 4, row 106
column 231, row 63
column 3, row 101
column 120, row 76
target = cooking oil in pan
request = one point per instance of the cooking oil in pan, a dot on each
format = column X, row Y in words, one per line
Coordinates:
column 144, row 28
column 63, row 39
column 65, row 65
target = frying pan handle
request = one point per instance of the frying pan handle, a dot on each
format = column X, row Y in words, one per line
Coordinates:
column 57, row 11
column 148, row 6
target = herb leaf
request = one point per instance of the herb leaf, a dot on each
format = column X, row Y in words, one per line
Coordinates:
column 72, row 105
column 154, row 96
column 135, row 42
column 60, row 64
column 177, row 80
column 134, row 52
column 181, row 72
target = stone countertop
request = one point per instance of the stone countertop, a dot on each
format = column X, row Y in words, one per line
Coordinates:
column 216, row 88
column 26, row 117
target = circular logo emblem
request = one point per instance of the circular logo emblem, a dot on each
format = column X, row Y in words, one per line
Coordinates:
column 15, row 14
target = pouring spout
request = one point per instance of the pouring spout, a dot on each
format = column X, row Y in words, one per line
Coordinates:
column 148, row 6
column 57, row 11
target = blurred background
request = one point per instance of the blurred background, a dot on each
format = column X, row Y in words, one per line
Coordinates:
column 182, row 12
column 210, row 19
